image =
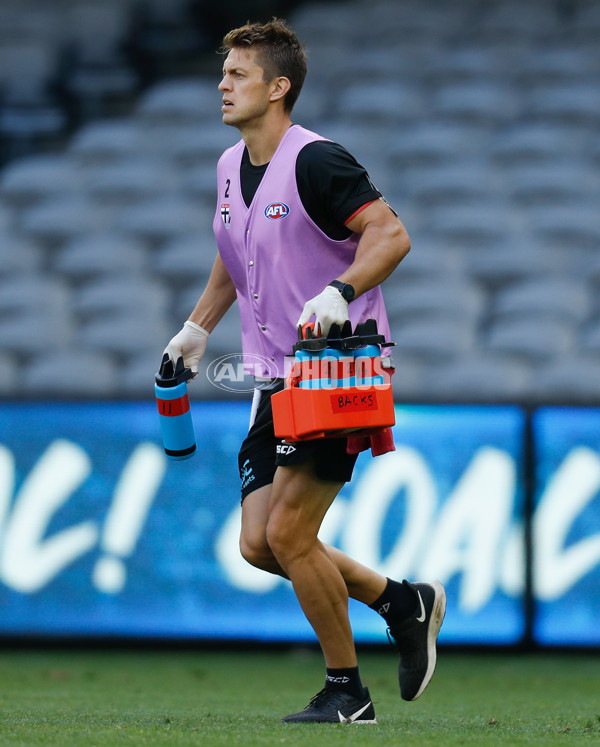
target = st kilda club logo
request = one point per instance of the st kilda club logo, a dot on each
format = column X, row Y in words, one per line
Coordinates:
column 226, row 214
column 277, row 211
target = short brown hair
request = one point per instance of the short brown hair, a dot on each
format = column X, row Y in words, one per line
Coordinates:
column 280, row 53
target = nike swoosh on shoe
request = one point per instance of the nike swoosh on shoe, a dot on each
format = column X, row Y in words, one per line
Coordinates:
column 354, row 716
column 422, row 616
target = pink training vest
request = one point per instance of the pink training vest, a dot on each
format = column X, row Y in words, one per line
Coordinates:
column 276, row 256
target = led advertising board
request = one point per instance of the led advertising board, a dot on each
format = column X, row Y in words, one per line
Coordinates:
column 566, row 527
column 102, row 535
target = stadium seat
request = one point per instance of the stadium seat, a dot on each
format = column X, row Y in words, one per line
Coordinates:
column 106, row 141
column 547, row 298
column 124, row 335
column 30, row 113
column 312, row 105
column 415, row 22
column 184, row 301
column 594, row 150
column 180, row 101
column 367, row 144
column 27, row 180
column 100, row 255
column 33, row 332
column 70, row 373
column 530, row 143
column 479, row 378
column 552, row 65
column 569, row 104
column 470, row 228
column 26, row 64
column 135, row 295
column 192, row 145
column 432, row 144
column 586, row 24
column 393, row 103
column 227, row 336
column 462, row 65
column 36, row 293
column 95, row 73
column 170, row 37
column 56, row 220
column 535, row 340
column 130, row 181
column 200, row 183
column 466, row 182
column 458, row 301
column 504, row 264
column 589, row 268
column 589, row 341
column 9, row 374
column 6, row 217
column 426, row 261
column 483, row 104
column 365, row 64
column 187, row 260
column 39, row 22
column 574, row 379
column 408, row 382
column 565, row 226
column 435, row 338
column 509, row 19
column 164, row 218
column 314, row 21
column 97, row 30
column 553, row 184
column 18, row 256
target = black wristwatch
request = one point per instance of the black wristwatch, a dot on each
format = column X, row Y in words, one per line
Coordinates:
column 345, row 289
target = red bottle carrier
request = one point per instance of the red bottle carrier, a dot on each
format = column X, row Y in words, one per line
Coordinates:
column 337, row 386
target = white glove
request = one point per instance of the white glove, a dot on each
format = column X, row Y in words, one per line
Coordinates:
column 328, row 307
column 190, row 343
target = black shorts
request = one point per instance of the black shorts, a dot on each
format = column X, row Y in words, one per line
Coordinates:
column 261, row 452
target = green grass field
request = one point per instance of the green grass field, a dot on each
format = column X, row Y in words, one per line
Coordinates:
column 225, row 698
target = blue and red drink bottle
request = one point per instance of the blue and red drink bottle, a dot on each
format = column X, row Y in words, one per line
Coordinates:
column 174, row 413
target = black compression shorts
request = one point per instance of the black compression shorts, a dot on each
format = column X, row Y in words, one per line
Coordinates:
column 261, row 452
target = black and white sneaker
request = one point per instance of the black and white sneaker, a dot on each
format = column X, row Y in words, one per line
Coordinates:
column 334, row 707
column 416, row 638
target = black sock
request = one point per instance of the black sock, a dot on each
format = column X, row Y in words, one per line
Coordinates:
column 345, row 679
column 397, row 602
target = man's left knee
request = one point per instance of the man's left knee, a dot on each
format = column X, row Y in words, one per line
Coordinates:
column 286, row 541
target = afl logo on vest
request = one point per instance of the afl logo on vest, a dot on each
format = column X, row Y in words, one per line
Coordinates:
column 277, row 210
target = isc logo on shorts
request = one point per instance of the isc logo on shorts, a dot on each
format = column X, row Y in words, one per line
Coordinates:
column 285, row 448
column 277, row 210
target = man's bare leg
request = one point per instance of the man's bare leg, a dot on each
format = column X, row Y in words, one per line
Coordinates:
column 412, row 636
column 297, row 506
column 362, row 583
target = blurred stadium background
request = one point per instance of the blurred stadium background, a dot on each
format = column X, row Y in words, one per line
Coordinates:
column 478, row 120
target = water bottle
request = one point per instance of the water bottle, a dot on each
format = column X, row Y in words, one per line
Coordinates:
column 365, row 369
column 319, row 368
column 314, row 361
column 305, row 363
column 174, row 413
column 346, row 370
column 330, row 367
